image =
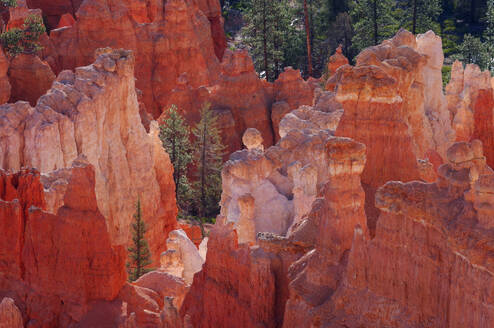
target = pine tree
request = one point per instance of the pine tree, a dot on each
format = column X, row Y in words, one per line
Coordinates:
column 373, row 22
column 489, row 35
column 419, row 16
column 9, row 3
column 307, row 24
column 139, row 254
column 472, row 50
column 175, row 136
column 259, row 33
column 271, row 34
column 208, row 153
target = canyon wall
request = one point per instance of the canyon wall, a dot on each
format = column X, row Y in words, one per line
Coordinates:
column 270, row 218
column 399, row 114
column 94, row 112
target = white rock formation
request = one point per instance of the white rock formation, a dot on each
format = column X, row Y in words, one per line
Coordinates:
column 182, row 258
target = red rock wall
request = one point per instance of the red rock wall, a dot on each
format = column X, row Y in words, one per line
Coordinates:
column 54, row 9
column 383, row 99
column 236, row 287
column 101, row 121
column 154, row 33
column 483, row 108
column 429, row 264
column 56, row 264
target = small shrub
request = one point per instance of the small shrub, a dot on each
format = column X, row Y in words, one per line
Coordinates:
column 25, row 40
column 12, row 41
column 9, row 3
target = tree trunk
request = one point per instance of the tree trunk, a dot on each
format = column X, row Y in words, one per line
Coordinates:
column 265, row 39
column 203, row 172
column 374, row 18
column 174, row 159
column 414, row 19
column 307, row 32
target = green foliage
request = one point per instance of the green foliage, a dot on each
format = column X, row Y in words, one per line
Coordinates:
column 449, row 37
column 208, row 153
column 175, row 137
column 373, row 22
column 489, row 35
column 472, row 50
column 9, row 3
column 12, row 41
column 271, row 35
column 419, row 16
column 139, row 254
column 25, row 40
column 446, row 74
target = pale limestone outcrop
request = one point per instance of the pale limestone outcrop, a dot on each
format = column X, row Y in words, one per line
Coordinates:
column 252, row 139
column 182, row 258
column 94, row 112
column 272, row 190
column 435, row 104
column 309, row 119
column 10, row 316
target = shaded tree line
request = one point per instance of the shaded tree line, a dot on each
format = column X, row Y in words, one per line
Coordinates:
column 303, row 33
column 197, row 157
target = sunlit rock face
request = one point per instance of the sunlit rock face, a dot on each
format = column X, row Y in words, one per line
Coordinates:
column 273, row 202
column 290, row 92
column 470, row 96
column 430, row 255
column 94, row 112
column 335, row 61
column 10, row 316
column 182, row 258
column 168, row 39
column 269, row 191
column 393, row 103
column 56, row 265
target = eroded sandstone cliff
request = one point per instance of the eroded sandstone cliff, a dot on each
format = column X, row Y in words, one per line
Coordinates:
column 94, row 112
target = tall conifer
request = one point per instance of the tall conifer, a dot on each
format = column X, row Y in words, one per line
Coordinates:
column 139, row 254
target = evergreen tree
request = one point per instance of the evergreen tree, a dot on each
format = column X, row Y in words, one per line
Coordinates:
column 139, row 254
column 25, row 39
column 9, row 3
column 489, row 35
column 208, row 153
column 259, row 34
column 472, row 50
column 271, row 34
column 175, row 136
column 419, row 16
column 307, row 24
column 373, row 22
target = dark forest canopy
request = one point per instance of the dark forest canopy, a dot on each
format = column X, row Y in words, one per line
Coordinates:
column 280, row 33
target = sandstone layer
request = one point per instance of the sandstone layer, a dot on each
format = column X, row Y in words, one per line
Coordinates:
column 271, row 207
column 393, row 103
column 470, row 96
column 94, row 112
column 56, row 265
